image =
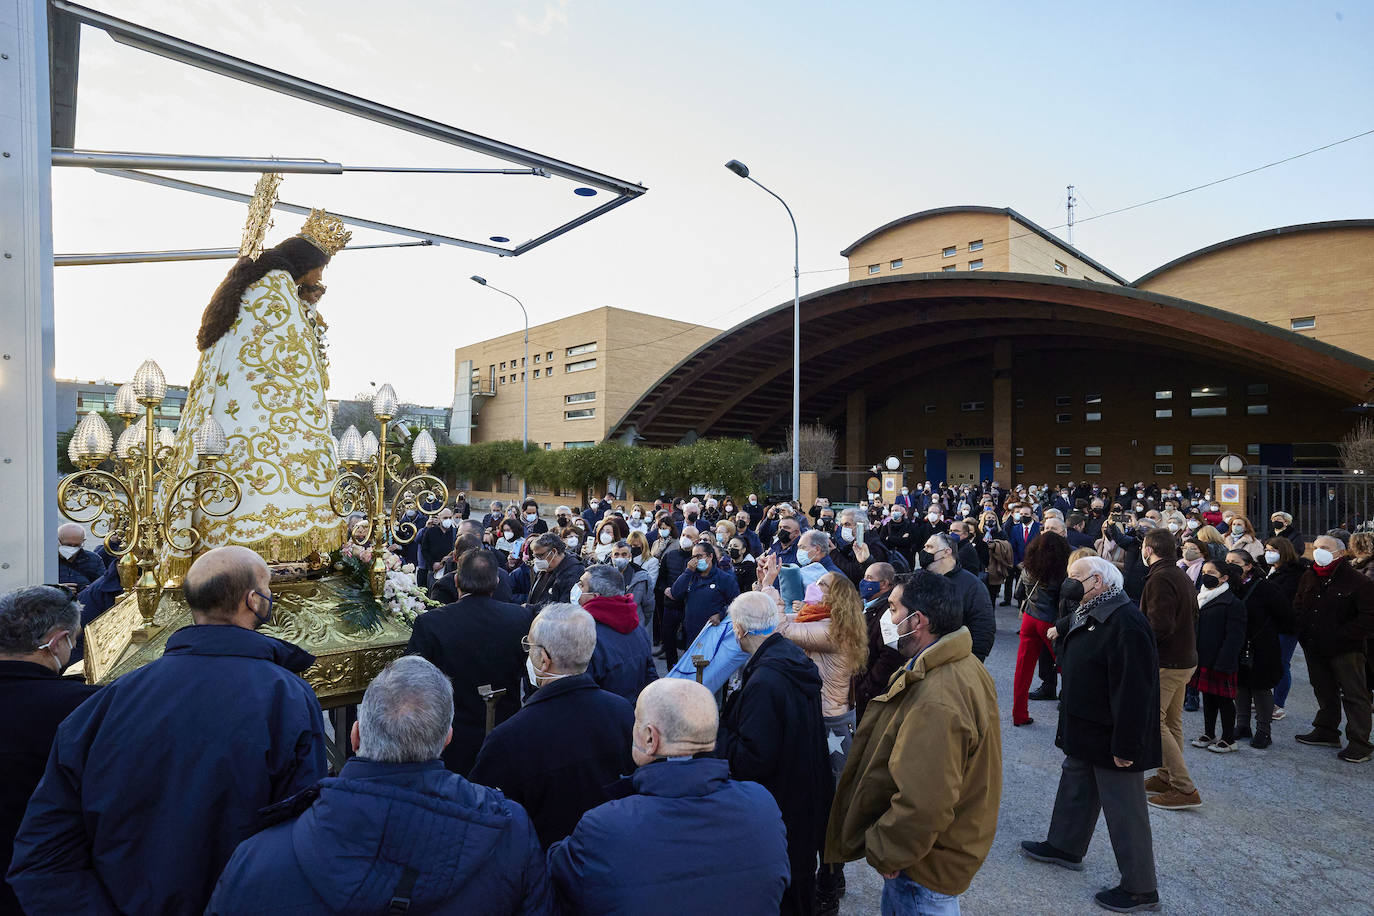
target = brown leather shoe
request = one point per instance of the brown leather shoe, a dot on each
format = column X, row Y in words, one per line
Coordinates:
column 1174, row 800
column 1157, row 785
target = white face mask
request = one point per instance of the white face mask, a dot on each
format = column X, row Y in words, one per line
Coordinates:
column 531, row 517
column 606, row 537
column 685, row 542
column 753, row 501
column 1271, row 557
column 1173, row 527
column 933, row 516
column 572, row 543
column 621, row 562
column 847, row 534
column 1192, row 524
column 575, row 594
column 637, row 514
column 508, row 537
column 68, row 550
column 541, row 565
column 447, row 523
column 889, row 630
column 1237, row 529
column 1323, row 557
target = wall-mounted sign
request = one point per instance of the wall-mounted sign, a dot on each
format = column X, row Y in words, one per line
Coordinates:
column 969, row 442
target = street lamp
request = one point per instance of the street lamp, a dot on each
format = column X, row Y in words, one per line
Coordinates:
column 524, row 376
column 742, row 170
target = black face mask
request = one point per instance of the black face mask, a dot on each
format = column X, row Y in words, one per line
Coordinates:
column 734, row 553
column 563, row 521
column 691, row 517
column 1072, row 591
column 784, row 537
column 925, row 558
column 1209, row 581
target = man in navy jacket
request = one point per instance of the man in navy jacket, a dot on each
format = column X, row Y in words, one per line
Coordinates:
column 557, row 755
column 623, row 662
column 396, row 831
column 153, row 781
column 699, row 841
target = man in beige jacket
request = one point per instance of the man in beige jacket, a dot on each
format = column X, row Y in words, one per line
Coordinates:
column 920, row 791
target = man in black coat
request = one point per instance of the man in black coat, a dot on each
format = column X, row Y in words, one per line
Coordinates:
column 1109, row 732
column 556, row 571
column 475, row 641
column 557, row 755
column 444, row 589
column 75, row 564
column 436, row 540
column 1334, row 612
column 154, row 780
column 875, row 589
column 938, row 556
column 38, row 627
column 772, row 732
column 902, row 535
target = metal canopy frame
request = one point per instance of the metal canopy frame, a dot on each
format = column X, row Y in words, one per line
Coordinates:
column 172, row 48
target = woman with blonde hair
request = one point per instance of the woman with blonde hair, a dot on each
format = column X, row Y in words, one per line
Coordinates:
column 833, row 633
column 1213, row 544
column 1242, row 536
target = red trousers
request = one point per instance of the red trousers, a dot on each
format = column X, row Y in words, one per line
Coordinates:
column 1034, row 635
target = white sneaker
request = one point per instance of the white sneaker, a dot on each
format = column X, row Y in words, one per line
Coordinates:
column 1204, row 741
column 1222, row 746
column 1278, row 713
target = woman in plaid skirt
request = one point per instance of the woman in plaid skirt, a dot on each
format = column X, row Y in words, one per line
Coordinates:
column 1220, row 639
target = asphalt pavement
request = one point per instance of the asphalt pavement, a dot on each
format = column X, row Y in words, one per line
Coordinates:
column 1289, row 829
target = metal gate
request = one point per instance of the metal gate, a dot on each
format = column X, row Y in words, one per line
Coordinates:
column 1318, row 500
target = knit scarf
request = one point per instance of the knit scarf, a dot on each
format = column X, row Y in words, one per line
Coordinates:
column 1205, row 595
column 1080, row 613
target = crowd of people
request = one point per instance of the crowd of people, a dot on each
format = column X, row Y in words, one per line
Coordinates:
column 825, row 700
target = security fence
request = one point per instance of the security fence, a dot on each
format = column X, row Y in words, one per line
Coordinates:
column 1318, row 500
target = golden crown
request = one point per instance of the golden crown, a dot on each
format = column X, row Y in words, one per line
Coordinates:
column 325, row 231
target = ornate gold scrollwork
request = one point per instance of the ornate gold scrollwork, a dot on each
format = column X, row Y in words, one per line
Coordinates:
column 416, row 493
column 212, row 492
column 103, row 501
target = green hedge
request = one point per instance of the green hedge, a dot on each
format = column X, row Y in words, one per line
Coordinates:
column 724, row 464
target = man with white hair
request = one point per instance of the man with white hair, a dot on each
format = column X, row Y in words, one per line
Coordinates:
column 348, row 846
column 813, row 556
column 1109, row 732
column 75, row 564
column 557, row 755
column 772, row 732
column 700, row 840
column 623, row 662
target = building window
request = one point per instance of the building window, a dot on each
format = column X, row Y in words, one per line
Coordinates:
column 1092, row 451
column 1208, row 411
column 536, row 357
column 1020, row 469
column 522, row 362
column 548, row 446
column 1092, row 469
column 1092, row 416
column 1164, row 395
column 1020, row 453
column 874, row 268
column 1061, row 267
column 581, row 443
column 1252, row 448
column 1063, row 451
column 930, row 408
column 522, row 376
column 1062, row 400
column 948, row 267
column 970, row 406
column 897, row 264
column 1164, row 469
column 503, row 367
column 581, row 366
column 1303, row 324
column 1199, row 470
column 582, row 413
column 1209, row 448
column 1063, row 469
column 1256, row 410
column 1063, row 418
column 503, row 380
column 1164, row 413
column 1163, row 450
column 908, row 453
column 548, row 357
column 1260, row 388
column 976, row 265
column 536, row 373
column 579, row 397
column 1092, row 399
column 1020, row 402
column 1209, row 392
column 975, row 245
column 950, row 252
column 580, row 349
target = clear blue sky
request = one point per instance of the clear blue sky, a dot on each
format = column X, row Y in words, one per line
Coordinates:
column 856, row 114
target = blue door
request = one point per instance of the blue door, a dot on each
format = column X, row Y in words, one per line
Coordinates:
column 985, row 469
column 937, row 465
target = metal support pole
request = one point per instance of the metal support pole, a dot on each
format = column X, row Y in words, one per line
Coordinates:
column 524, row 377
column 99, row 159
column 490, row 697
column 188, row 254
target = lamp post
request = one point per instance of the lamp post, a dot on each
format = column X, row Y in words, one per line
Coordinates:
column 742, row 170
column 524, row 376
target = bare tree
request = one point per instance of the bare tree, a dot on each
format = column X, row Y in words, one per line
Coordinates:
column 816, row 451
column 1357, row 448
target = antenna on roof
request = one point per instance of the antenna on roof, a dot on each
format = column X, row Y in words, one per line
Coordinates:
column 1068, row 205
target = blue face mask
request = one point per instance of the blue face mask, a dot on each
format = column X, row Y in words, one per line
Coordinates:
column 803, row 558
column 868, row 588
column 703, row 564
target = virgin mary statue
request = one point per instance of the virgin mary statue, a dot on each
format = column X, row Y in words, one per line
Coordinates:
column 263, row 376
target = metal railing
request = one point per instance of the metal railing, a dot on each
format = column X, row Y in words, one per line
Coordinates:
column 1318, row 500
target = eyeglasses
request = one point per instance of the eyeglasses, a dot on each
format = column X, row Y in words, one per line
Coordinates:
column 527, row 645
column 71, row 588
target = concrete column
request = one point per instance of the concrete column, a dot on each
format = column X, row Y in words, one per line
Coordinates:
column 1003, row 457
column 28, row 449
column 856, row 428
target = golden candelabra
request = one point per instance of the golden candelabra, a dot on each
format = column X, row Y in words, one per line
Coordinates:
column 141, row 510
column 368, row 465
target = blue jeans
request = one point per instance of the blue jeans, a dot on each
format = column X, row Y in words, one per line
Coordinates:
column 904, row 897
column 1286, row 646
